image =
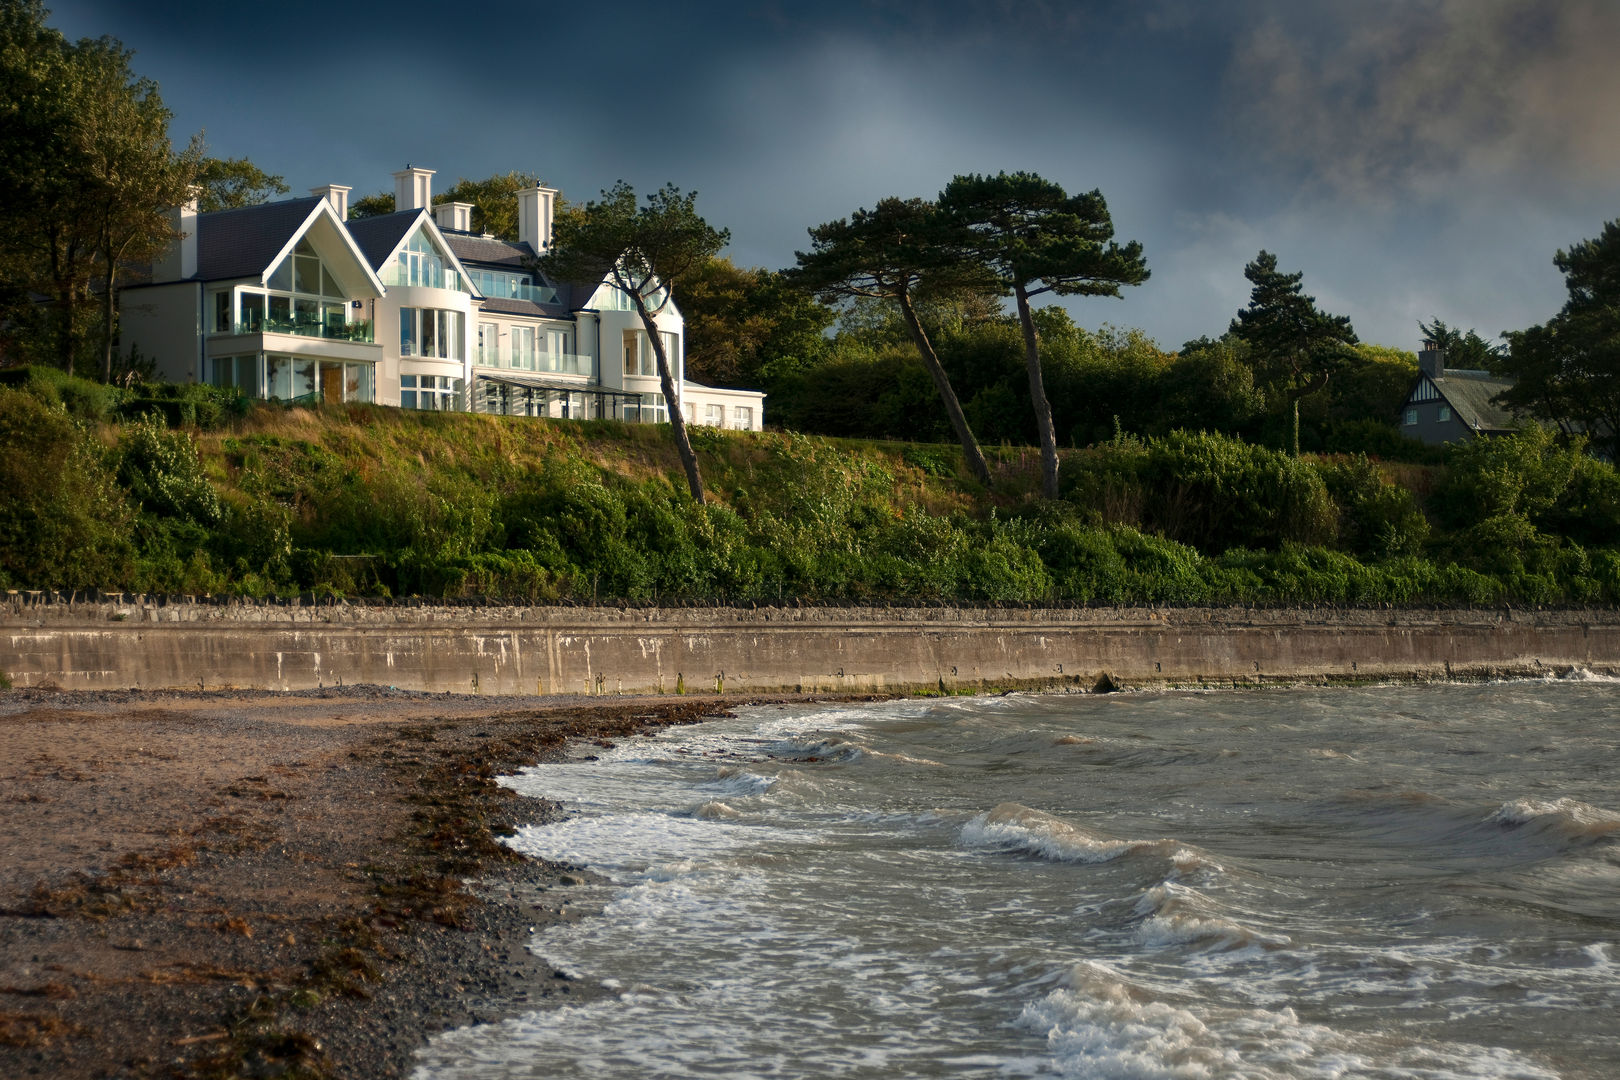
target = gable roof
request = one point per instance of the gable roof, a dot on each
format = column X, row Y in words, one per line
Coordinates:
column 1469, row 394
column 243, row 242
column 378, row 237
column 488, row 251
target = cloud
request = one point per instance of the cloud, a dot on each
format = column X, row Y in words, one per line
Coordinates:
column 1393, row 98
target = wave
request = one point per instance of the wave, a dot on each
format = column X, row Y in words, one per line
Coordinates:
column 1566, row 818
column 1015, row 827
column 1100, row 1023
column 716, row 811
column 1178, row 915
column 736, row 780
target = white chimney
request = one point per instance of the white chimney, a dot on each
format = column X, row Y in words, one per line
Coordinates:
column 413, row 189
column 180, row 260
column 454, row 215
column 536, row 209
column 337, row 195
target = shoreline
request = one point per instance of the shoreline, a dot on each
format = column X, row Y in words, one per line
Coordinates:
column 277, row 884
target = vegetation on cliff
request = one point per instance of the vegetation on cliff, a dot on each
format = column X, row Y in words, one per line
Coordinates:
column 195, row 492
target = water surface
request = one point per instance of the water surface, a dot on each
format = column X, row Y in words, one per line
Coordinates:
column 1380, row 882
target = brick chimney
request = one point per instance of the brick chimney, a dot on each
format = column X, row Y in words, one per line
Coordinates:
column 1432, row 360
column 413, row 189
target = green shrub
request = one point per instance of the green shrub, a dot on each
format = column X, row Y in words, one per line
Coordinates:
column 1376, row 518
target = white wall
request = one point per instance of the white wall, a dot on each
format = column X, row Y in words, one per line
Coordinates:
column 166, row 323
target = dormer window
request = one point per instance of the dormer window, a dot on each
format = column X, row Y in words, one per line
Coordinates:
column 301, row 297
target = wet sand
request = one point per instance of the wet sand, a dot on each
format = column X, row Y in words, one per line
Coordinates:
column 261, row 884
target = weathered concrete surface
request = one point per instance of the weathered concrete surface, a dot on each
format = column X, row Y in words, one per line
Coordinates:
column 155, row 642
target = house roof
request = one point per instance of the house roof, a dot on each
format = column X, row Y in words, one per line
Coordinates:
column 377, row 237
column 505, row 305
column 241, row 243
column 487, row 251
column 1469, row 394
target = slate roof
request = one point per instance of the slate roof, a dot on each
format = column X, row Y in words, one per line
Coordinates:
column 487, row 251
column 377, row 237
column 504, row 305
column 240, row 243
column 1469, row 394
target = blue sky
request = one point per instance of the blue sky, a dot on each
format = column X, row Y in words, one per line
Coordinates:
column 1415, row 158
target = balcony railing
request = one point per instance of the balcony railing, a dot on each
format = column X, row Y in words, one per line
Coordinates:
column 355, row 331
column 558, row 363
column 511, row 290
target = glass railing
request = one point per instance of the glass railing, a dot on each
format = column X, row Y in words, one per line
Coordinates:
column 495, row 289
column 547, row 363
column 354, row 331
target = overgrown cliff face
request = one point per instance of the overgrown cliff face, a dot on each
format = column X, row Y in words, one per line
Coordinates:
column 97, row 492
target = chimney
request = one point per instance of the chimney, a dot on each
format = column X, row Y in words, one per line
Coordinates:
column 536, row 208
column 180, row 260
column 454, row 215
column 1432, row 361
column 338, row 196
column 413, row 189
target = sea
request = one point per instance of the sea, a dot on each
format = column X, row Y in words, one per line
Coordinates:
column 1382, row 881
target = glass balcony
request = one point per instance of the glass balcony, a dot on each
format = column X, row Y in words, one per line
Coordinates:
column 351, row 331
column 501, row 287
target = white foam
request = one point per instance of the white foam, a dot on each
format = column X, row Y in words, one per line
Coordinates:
column 1567, row 817
column 1179, row 915
column 1014, row 827
column 1103, row 1024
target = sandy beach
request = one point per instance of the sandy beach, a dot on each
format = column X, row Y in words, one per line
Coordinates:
column 261, row 884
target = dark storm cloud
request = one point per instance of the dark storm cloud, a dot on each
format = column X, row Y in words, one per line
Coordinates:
column 1413, row 157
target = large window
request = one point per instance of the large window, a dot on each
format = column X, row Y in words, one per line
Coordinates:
column 489, row 344
column 302, row 298
column 436, row 393
column 236, row 372
column 523, row 347
column 421, row 263
column 431, row 332
column 638, row 355
column 290, row 378
column 742, row 417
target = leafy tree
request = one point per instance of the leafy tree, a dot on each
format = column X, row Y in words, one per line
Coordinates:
column 88, row 171
column 896, row 251
column 1295, row 348
column 230, row 183
column 1463, row 350
column 1568, row 369
column 371, row 205
column 1035, row 238
column 646, row 252
column 746, row 326
column 494, row 201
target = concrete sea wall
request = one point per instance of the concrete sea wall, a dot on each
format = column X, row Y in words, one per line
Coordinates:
column 111, row 642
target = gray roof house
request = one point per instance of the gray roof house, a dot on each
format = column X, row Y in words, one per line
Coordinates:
column 1450, row 405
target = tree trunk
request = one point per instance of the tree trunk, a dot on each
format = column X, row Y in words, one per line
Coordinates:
column 942, row 383
column 1037, row 395
column 672, row 401
column 110, row 314
column 1296, row 427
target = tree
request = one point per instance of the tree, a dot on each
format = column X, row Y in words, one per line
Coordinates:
column 1294, row 347
column 371, row 205
column 747, row 326
column 645, row 252
column 230, row 183
column 135, row 176
column 1568, row 369
column 494, row 201
column 88, row 170
column 893, row 252
column 1035, row 238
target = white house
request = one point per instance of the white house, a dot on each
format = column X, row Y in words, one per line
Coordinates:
column 425, row 314
column 271, row 299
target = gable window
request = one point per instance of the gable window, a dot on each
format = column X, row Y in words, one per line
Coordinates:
column 1411, row 417
column 300, row 297
column 1444, row 413
column 421, row 263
